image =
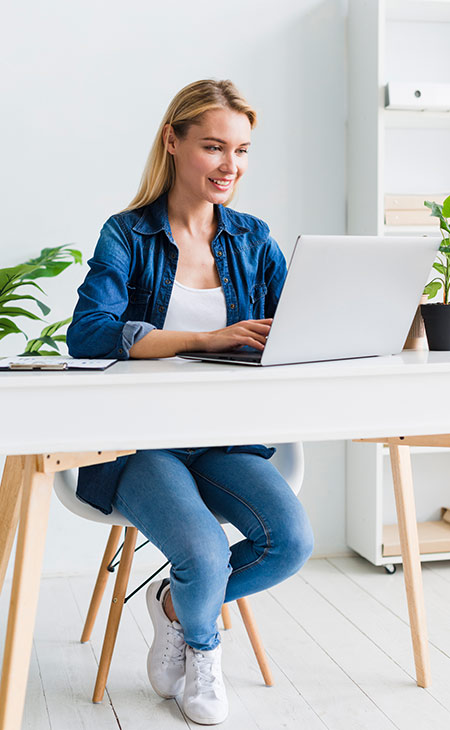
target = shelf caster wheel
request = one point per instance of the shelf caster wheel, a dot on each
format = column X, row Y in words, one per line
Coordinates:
column 390, row 569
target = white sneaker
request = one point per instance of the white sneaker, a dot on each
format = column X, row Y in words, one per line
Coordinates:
column 205, row 699
column 166, row 657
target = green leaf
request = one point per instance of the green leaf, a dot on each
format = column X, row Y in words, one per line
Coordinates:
column 60, row 338
column 446, row 207
column 32, row 283
column 49, row 352
column 31, row 346
column 49, row 263
column 440, row 268
column 52, row 328
column 48, row 341
column 436, row 209
column 35, row 345
column 51, row 269
column 18, row 312
column 437, row 212
column 7, row 327
column 14, row 297
column 77, row 256
column 445, row 246
column 40, row 352
column 432, row 289
column 11, row 276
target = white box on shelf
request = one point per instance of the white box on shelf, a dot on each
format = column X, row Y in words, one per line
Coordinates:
column 421, row 97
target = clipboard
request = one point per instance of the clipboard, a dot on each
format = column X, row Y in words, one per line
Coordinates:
column 41, row 363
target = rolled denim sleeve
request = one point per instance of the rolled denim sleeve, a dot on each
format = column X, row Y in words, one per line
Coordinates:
column 97, row 329
column 133, row 332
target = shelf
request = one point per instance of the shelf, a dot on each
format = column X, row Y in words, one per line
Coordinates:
column 424, row 558
column 434, row 537
column 415, row 119
column 412, row 231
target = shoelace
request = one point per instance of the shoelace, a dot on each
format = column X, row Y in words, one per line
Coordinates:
column 207, row 672
column 175, row 644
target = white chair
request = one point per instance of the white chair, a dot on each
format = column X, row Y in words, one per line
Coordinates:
column 289, row 461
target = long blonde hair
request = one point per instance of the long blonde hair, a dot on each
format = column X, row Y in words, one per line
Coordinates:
column 184, row 110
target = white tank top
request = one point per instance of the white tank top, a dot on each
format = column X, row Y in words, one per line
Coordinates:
column 196, row 310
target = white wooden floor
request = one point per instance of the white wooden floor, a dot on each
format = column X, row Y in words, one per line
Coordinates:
column 337, row 637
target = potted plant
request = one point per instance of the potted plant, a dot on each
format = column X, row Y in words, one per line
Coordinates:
column 15, row 283
column 436, row 315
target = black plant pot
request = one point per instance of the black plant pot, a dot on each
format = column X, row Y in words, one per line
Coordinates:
column 437, row 325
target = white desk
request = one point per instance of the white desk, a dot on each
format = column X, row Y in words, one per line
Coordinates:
column 176, row 403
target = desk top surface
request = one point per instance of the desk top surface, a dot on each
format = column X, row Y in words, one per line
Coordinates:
column 176, row 369
column 177, row 403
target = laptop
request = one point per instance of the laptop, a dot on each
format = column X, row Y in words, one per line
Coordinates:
column 343, row 297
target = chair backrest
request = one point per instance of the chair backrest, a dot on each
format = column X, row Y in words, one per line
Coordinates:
column 288, row 459
column 65, row 486
column 290, row 462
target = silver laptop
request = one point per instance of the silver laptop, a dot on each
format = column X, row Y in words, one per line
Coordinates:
column 344, row 297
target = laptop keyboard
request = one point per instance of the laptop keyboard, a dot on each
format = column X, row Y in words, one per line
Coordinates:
column 245, row 356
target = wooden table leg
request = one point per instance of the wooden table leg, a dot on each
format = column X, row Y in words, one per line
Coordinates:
column 10, row 493
column 409, row 542
column 37, row 489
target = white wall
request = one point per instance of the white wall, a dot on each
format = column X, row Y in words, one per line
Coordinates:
column 87, row 85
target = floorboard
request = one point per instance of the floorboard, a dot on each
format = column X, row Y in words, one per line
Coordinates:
column 336, row 635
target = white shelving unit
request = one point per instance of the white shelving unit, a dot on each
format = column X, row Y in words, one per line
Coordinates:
column 371, row 503
column 393, row 152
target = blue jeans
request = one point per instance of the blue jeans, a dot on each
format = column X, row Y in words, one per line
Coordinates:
column 170, row 496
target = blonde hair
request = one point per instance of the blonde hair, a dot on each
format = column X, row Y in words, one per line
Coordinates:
column 184, row 110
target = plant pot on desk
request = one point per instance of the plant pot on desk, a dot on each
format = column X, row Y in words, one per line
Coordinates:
column 437, row 325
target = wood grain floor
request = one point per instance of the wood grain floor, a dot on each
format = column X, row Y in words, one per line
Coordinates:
column 337, row 637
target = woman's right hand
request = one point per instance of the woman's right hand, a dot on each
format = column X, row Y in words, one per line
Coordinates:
column 250, row 332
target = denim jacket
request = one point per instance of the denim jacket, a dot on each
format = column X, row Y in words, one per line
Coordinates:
column 127, row 290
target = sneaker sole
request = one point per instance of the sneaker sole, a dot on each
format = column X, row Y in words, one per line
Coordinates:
column 206, row 720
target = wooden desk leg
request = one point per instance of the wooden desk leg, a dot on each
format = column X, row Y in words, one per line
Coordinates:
column 10, row 493
column 37, row 489
column 409, row 542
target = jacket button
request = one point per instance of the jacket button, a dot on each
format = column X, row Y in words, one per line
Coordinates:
column 120, row 351
column 219, row 253
column 173, row 255
column 167, row 281
column 160, row 309
column 225, row 281
column 231, row 306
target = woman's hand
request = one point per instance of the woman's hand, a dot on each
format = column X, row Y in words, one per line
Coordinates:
column 250, row 332
column 165, row 343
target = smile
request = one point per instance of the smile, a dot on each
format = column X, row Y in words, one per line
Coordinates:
column 222, row 184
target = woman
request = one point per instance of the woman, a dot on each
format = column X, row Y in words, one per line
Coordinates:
column 178, row 270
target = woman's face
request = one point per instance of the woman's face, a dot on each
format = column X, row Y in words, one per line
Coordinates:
column 213, row 156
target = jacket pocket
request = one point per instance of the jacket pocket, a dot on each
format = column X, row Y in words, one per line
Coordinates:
column 257, row 301
column 138, row 301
